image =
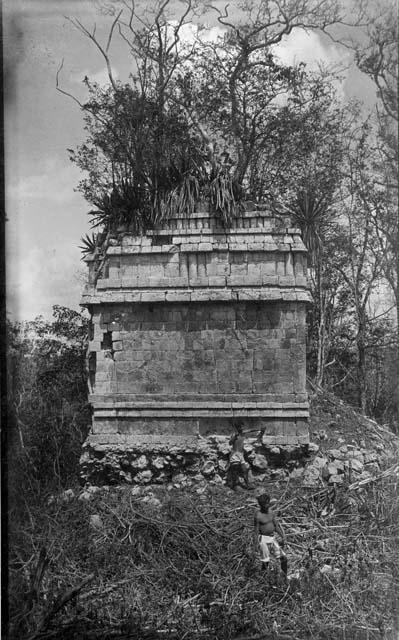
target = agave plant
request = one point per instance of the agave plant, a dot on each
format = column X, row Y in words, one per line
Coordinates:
column 309, row 210
column 224, row 197
column 89, row 244
column 126, row 204
column 182, row 200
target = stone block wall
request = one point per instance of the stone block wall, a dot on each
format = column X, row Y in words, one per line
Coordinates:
column 216, row 348
column 194, row 326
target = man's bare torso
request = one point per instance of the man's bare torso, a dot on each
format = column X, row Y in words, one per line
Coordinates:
column 265, row 523
column 238, row 443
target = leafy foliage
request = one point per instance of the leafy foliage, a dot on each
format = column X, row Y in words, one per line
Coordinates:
column 137, row 165
column 221, row 120
column 48, row 411
column 89, row 244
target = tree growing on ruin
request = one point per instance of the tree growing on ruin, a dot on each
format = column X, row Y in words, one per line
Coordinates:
column 183, row 137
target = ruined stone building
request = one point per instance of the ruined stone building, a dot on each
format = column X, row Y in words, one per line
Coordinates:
column 195, row 326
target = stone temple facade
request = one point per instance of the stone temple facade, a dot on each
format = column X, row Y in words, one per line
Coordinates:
column 195, row 326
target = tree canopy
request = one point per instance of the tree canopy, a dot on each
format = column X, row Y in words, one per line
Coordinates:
column 218, row 118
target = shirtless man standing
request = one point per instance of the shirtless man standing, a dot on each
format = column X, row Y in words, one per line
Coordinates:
column 266, row 525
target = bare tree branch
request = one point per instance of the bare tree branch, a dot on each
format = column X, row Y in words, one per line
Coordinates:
column 92, row 36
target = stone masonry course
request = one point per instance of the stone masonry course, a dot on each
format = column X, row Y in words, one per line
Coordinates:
column 194, row 326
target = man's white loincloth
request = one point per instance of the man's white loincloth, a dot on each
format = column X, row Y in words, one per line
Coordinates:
column 267, row 544
column 238, row 457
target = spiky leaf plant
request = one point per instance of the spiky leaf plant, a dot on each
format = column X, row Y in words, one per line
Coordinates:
column 89, row 244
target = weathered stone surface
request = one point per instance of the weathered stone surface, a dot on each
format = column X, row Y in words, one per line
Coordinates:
column 143, row 477
column 339, row 466
column 223, row 447
column 297, row 473
column 179, row 478
column 68, row 495
column 348, row 463
column 313, row 472
column 208, row 469
column 338, row 454
column 96, row 522
column 248, row 448
column 195, row 323
column 151, row 500
column 158, row 463
column 311, row 477
column 141, row 462
column 125, row 476
column 93, row 489
column 332, row 469
column 161, row 477
column 275, row 451
column 370, row 457
column 85, row 496
column 355, row 465
column 319, row 462
column 260, row 462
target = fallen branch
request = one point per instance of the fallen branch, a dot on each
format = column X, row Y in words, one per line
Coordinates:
column 59, row 603
column 265, row 636
column 388, row 473
column 201, row 570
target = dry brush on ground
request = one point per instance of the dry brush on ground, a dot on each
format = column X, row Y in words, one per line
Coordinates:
column 181, row 564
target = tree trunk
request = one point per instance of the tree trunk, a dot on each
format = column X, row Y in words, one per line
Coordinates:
column 361, row 363
column 321, row 331
column 320, row 350
column 396, row 293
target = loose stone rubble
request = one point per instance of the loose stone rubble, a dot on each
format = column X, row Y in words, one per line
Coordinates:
column 336, row 465
column 303, row 463
column 208, row 459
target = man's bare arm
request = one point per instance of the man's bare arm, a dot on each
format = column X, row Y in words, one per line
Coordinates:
column 259, row 431
column 256, row 529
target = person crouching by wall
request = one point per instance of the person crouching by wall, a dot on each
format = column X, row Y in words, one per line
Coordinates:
column 238, row 467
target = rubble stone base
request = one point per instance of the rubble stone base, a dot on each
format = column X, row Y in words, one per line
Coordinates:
column 157, row 460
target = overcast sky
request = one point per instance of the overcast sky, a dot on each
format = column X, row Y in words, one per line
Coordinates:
column 45, row 216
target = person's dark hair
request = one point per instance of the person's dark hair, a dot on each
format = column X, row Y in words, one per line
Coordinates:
column 264, row 500
column 239, row 425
